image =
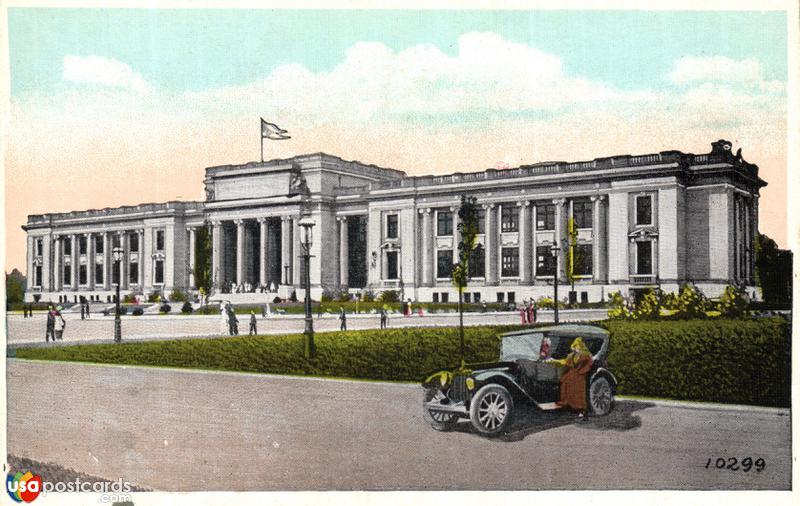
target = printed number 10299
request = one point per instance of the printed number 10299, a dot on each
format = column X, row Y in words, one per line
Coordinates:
column 733, row 464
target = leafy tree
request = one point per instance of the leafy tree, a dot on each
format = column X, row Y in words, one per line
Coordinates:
column 203, row 275
column 468, row 233
column 773, row 271
column 15, row 287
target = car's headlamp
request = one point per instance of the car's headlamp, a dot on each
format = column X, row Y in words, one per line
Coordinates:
column 444, row 379
column 470, row 383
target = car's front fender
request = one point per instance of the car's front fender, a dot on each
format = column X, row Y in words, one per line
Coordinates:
column 502, row 378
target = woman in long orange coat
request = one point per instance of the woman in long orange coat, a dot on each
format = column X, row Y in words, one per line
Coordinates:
column 573, row 382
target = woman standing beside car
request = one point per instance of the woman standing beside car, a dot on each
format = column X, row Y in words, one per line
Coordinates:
column 573, row 382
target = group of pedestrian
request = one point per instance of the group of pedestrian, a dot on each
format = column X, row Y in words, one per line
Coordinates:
column 84, row 308
column 230, row 323
column 27, row 310
column 528, row 312
column 54, row 329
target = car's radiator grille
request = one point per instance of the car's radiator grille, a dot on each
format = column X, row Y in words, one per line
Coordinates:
column 458, row 392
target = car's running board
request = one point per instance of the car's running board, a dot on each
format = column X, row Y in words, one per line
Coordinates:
column 549, row 406
column 449, row 408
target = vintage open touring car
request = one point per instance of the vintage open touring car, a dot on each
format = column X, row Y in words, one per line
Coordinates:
column 486, row 393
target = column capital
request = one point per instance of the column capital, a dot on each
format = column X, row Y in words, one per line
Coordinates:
column 597, row 198
column 488, row 206
column 341, row 218
column 453, row 208
column 560, row 201
column 216, row 223
column 523, row 203
column 425, row 210
column 239, row 222
column 261, row 219
column 286, row 218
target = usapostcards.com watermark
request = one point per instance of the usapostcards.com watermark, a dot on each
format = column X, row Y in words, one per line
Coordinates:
column 26, row 487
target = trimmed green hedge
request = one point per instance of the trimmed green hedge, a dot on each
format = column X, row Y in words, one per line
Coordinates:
column 744, row 361
column 730, row 361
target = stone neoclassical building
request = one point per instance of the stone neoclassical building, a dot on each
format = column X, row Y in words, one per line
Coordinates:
column 654, row 220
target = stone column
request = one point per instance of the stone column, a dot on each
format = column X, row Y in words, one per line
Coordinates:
column 560, row 234
column 125, row 277
column 456, row 234
column 262, row 251
column 598, row 240
column 525, row 254
column 286, row 250
column 344, row 251
column 618, row 248
column 428, row 256
column 56, row 263
column 74, row 265
column 90, row 261
column 491, row 240
column 192, row 239
column 216, row 252
column 140, row 257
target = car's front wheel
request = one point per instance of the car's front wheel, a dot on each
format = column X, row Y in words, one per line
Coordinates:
column 439, row 420
column 490, row 411
column 601, row 396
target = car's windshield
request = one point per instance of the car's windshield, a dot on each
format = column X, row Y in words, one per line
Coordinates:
column 520, row 346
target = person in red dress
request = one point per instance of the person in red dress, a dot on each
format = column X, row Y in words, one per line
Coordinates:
column 573, row 381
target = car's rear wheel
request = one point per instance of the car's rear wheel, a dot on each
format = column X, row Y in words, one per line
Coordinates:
column 490, row 411
column 601, row 396
column 439, row 420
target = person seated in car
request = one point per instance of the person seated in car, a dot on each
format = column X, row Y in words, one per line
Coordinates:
column 573, row 382
column 544, row 350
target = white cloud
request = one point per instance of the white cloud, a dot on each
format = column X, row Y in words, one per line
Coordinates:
column 103, row 71
column 716, row 68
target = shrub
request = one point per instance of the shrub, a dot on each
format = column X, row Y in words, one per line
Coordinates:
column 187, row 308
column 165, row 308
column 733, row 302
column 344, row 296
column 128, row 298
column 137, row 311
column 691, row 303
column 746, row 361
column 647, row 308
column 277, row 300
column 177, row 296
column 368, row 296
column 154, row 297
column 326, row 296
column 389, row 296
column 618, row 307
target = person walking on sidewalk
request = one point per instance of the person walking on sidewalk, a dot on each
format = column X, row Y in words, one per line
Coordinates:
column 342, row 319
column 253, row 330
column 59, row 325
column 49, row 332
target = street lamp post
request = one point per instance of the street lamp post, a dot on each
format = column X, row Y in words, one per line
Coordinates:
column 117, row 254
column 306, row 240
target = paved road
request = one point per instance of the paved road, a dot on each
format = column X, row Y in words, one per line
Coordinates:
column 31, row 330
column 193, row 430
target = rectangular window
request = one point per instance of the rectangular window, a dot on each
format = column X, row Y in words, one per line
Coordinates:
column 545, row 217
column 133, row 242
column 133, row 273
column 509, row 218
column 501, row 297
column 467, row 298
column 476, row 296
column 477, row 263
column 68, row 275
column 510, row 262
column 481, row 220
column 583, row 260
column 82, row 245
column 391, row 265
column 444, row 223
column 37, row 274
column 435, row 296
column 98, row 245
column 67, row 247
column 644, row 257
column 545, row 261
column 582, row 213
column 644, row 210
column 512, row 297
column 39, row 247
column 116, row 240
column 82, row 279
column 444, row 263
column 98, row 274
column 159, row 240
column 391, row 226
column 159, row 277
column 445, row 297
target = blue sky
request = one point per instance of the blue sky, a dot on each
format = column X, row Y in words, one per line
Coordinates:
column 193, row 49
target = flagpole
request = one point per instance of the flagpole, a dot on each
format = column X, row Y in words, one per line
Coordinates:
column 262, row 148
